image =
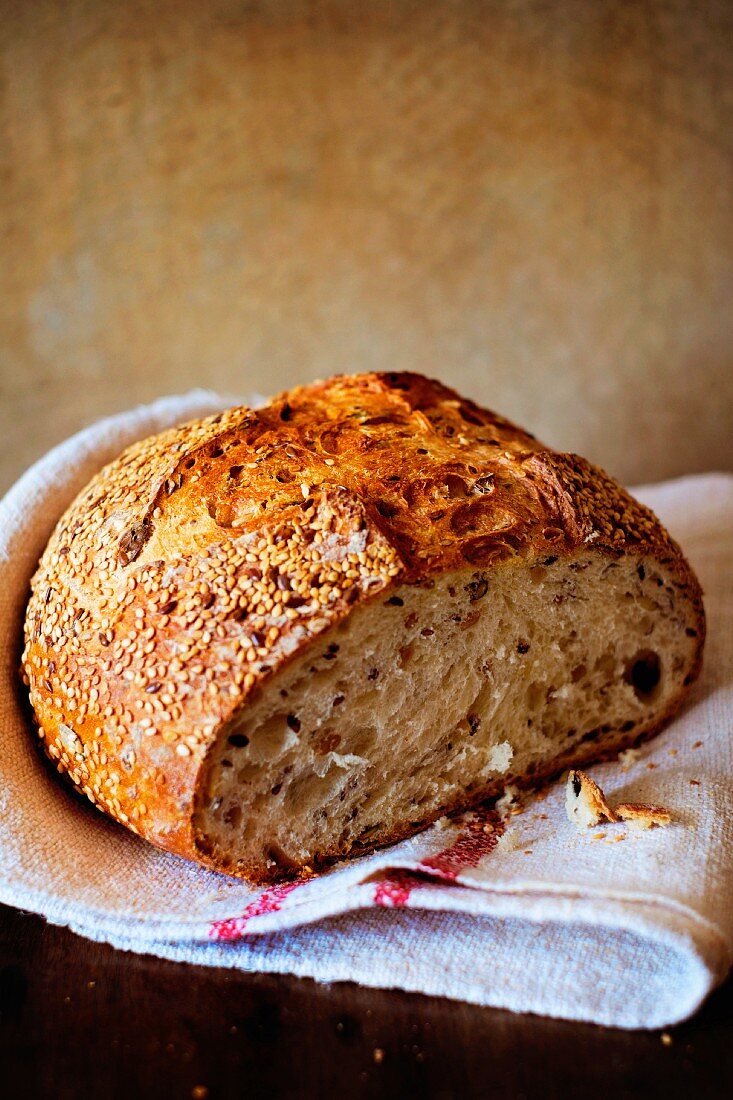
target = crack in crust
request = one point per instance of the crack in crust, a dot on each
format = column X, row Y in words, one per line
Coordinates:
column 203, row 559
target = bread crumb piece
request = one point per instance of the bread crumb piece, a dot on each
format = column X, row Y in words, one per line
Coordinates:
column 508, row 802
column 500, row 757
column 643, row 817
column 508, row 841
column 694, row 782
column 585, row 803
column 666, row 1039
column 378, row 1056
column 627, row 758
column 697, row 745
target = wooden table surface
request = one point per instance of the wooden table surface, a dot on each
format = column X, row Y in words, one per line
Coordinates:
column 79, row 1019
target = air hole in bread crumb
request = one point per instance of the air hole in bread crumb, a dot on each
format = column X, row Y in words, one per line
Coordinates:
column 233, row 815
column 238, row 740
column 643, row 673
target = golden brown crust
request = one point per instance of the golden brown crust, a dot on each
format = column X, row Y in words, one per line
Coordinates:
column 643, row 815
column 202, row 560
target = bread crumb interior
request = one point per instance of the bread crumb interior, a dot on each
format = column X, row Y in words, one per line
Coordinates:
column 434, row 694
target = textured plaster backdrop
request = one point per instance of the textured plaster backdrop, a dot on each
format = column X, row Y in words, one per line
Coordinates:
column 530, row 200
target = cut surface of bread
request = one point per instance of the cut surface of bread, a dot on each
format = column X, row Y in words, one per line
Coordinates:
column 277, row 637
column 440, row 695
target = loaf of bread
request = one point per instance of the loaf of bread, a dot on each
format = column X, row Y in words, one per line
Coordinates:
column 278, row 637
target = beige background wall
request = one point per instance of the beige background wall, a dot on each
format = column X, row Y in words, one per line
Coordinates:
column 531, row 200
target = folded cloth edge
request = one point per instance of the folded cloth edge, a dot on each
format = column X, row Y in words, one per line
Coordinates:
column 629, row 1003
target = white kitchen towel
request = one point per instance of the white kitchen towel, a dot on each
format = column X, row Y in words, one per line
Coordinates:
column 624, row 928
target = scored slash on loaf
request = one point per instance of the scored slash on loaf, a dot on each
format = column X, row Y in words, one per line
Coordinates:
column 277, row 637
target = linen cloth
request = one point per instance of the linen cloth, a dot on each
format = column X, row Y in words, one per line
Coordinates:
column 621, row 927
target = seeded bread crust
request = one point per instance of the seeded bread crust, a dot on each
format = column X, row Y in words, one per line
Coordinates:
column 202, row 560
